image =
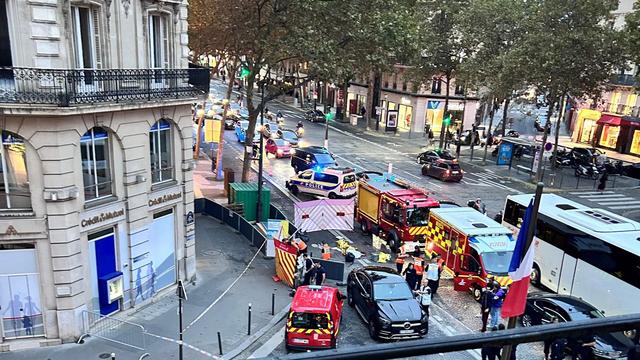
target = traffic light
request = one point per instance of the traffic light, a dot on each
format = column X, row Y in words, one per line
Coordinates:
column 447, row 120
column 244, row 72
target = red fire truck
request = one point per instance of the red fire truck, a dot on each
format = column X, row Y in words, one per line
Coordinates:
column 393, row 209
column 472, row 245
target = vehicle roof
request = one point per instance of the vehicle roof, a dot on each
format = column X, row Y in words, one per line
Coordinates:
column 314, row 150
column 566, row 302
column 382, row 274
column 337, row 170
column 470, row 221
column 613, row 228
column 243, row 124
column 401, row 189
column 313, row 299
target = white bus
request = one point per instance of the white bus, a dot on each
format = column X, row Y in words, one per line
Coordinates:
column 592, row 254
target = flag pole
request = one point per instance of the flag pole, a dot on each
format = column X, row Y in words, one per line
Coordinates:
column 531, row 231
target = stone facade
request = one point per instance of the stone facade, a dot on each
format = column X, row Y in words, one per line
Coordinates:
column 60, row 225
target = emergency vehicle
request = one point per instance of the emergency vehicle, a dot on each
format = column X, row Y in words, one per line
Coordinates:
column 472, row 245
column 314, row 318
column 331, row 182
column 393, row 209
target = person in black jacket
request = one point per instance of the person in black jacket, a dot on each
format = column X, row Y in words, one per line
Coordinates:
column 491, row 352
column 411, row 276
column 485, row 304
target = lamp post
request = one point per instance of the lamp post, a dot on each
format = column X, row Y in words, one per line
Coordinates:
column 200, row 116
column 260, row 163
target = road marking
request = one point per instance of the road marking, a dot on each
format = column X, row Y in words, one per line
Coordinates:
column 613, row 201
column 270, row 345
column 598, row 196
column 413, row 175
column 624, row 207
column 591, row 192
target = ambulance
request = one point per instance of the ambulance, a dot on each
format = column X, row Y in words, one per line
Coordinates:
column 331, row 182
column 314, row 318
column 472, row 246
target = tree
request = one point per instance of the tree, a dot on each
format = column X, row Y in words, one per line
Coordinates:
column 571, row 47
column 632, row 34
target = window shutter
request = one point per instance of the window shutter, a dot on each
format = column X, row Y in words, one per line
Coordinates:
column 165, row 42
column 97, row 43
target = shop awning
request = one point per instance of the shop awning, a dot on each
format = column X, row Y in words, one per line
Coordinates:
column 608, row 119
column 631, row 121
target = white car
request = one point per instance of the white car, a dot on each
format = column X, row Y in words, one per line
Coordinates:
column 331, row 182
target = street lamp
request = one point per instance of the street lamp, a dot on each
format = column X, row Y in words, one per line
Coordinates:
column 260, row 164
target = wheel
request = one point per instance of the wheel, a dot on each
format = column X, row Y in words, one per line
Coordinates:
column 477, row 293
column 372, row 330
column 535, row 276
column 294, row 190
column 526, row 320
column 350, row 298
column 332, row 195
column 393, row 241
column 364, row 226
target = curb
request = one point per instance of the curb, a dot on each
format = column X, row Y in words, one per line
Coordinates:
column 258, row 334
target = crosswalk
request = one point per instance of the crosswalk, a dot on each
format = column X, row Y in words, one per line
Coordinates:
column 609, row 199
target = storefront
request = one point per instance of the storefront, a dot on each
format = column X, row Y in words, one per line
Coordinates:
column 405, row 114
column 20, row 299
column 610, row 130
column 585, row 126
column 629, row 138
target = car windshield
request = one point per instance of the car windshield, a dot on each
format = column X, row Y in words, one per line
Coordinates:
column 497, row 262
column 324, row 159
column 584, row 313
column 392, row 291
column 309, row 321
column 349, row 179
column 289, row 136
column 417, row 217
column 279, row 142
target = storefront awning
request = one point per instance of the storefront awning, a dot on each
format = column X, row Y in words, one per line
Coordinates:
column 608, row 119
column 631, row 121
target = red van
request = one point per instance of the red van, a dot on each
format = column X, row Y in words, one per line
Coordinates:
column 314, row 318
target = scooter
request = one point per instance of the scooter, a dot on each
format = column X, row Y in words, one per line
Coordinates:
column 587, row 171
column 300, row 131
column 280, row 122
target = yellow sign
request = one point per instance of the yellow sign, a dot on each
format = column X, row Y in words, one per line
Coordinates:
column 115, row 288
column 212, row 130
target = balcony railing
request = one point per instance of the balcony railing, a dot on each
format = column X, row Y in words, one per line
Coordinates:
column 62, row 87
column 622, row 109
column 623, row 80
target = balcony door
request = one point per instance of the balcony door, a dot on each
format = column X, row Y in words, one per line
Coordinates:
column 159, row 51
column 86, row 36
column 6, row 75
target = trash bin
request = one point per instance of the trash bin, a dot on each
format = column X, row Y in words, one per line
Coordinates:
column 354, row 119
column 229, row 177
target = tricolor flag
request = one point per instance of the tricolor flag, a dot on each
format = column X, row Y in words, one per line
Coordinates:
column 519, row 272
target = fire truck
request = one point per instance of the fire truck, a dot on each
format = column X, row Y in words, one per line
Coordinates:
column 472, row 245
column 393, row 209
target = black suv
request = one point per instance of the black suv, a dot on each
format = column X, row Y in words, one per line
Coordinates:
column 430, row 156
column 310, row 157
column 384, row 301
column 314, row 116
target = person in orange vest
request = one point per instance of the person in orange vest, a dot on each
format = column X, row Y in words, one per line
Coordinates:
column 326, row 251
column 419, row 266
column 301, row 245
column 400, row 259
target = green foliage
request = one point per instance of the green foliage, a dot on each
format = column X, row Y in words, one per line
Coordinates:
column 632, row 35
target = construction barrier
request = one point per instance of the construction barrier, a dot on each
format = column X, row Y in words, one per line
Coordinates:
column 286, row 262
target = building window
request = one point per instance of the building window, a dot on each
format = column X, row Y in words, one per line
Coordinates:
column 158, row 41
column 160, row 146
column 86, row 36
column 459, row 90
column 96, row 167
column 436, row 86
column 14, row 189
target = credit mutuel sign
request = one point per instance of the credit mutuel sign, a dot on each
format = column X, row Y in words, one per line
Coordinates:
column 98, row 217
column 166, row 197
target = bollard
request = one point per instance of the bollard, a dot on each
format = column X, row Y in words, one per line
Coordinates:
column 249, row 321
column 219, row 343
column 273, row 304
column 113, row 356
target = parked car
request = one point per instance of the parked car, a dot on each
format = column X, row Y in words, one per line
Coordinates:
column 384, row 301
column 632, row 170
column 314, row 116
column 315, row 157
column 543, row 308
column 241, row 132
column 586, row 156
column 433, row 155
column 445, row 170
column 278, row 147
column 465, row 138
column 289, row 136
column 230, row 122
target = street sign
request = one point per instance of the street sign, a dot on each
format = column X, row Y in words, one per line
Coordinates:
column 433, row 105
column 180, row 291
column 190, row 219
column 212, row 130
column 505, row 151
column 548, row 146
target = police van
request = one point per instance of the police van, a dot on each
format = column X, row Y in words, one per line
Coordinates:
column 331, row 182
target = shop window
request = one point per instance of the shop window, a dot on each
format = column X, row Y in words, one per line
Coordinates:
column 635, row 143
column 96, row 168
column 160, row 151
column 14, row 188
column 609, row 136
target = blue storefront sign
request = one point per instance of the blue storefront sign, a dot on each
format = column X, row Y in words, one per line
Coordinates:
column 505, row 152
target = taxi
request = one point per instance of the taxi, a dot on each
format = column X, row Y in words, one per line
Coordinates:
column 313, row 321
column 331, row 182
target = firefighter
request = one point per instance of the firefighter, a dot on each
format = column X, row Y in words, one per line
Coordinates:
column 326, row 251
column 418, row 264
column 301, row 245
column 400, row 258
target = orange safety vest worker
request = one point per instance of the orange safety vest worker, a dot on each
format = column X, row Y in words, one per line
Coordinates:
column 417, row 264
column 301, row 245
column 401, row 255
column 326, row 252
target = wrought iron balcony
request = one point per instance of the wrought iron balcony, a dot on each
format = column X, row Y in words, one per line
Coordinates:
column 63, row 87
column 623, row 80
column 621, row 109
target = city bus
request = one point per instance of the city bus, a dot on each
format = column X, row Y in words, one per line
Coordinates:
column 592, row 254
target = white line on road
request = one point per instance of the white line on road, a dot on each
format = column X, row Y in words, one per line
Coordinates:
column 413, row 175
column 590, row 192
column 612, row 201
column 267, row 348
column 624, row 207
column 603, row 196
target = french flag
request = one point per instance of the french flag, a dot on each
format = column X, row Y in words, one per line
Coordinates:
column 516, row 298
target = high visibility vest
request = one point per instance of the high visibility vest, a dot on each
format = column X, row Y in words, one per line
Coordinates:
column 417, row 264
column 301, row 245
column 401, row 256
column 326, row 252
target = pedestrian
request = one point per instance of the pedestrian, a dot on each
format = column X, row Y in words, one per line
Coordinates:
column 224, row 79
column 301, row 245
column 308, row 270
column 514, row 347
column 485, row 303
column 491, row 352
column 449, row 139
column 424, row 293
column 583, row 348
column 603, row 181
column 27, row 325
column 430, row 138
column 320, row 274
column 433, row 275
column 410, row 276
column 363, row 111
column 418, row 265
column 496, row 304
column 402, row 255
column 554, row 349
column 480, row 206
column 498, row 217
column 634, row 353
column 326, row 251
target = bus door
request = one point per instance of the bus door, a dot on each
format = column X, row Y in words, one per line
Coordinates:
column 468, row 272
column 567, row 274
column 452, row 245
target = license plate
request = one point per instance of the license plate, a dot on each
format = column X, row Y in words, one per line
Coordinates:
column 406, row 331
column 455, row 172
column 301, row 341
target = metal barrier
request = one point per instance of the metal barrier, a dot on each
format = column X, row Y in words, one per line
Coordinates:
column 114, row 330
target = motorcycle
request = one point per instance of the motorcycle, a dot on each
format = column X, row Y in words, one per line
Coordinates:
column 280, row 122
column 587, row 171
column 300, row 131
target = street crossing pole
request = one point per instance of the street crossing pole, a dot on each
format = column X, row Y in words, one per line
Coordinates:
column 182, row 295
column 531, row 231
